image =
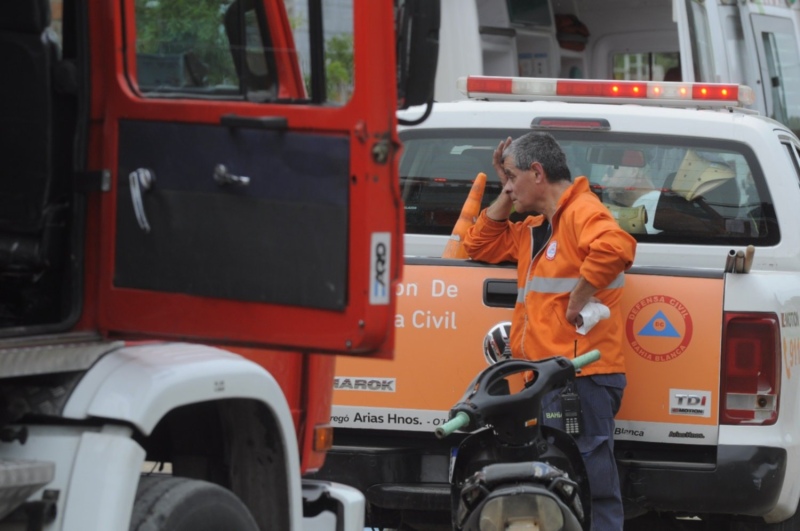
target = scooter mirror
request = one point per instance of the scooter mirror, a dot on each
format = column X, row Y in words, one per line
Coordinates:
column 496, row 345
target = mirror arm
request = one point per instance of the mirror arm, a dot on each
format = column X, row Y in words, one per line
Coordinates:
column 417, row 121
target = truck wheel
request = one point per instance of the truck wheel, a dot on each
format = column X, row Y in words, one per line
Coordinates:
column 179, row 504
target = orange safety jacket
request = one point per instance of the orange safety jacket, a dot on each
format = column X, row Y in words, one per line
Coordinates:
column 585, row 241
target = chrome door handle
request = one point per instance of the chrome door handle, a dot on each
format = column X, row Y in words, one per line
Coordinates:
column 140, row 180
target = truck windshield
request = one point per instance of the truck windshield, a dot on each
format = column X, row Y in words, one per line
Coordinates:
column 661, row 188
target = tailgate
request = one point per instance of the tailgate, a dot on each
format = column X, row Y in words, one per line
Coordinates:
column 673, row 333
column 440, row 325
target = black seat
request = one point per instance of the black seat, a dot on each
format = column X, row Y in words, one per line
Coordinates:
column 28, row 56
column 714, row 212
column 38, row 116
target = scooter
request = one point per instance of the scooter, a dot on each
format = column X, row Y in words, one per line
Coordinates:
column 512, row 473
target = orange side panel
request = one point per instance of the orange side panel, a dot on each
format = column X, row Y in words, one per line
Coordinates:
column 440, row 324
column 672, row 349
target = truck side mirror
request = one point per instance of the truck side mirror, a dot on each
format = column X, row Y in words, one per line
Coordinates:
column 417, row 30
column 253, row 67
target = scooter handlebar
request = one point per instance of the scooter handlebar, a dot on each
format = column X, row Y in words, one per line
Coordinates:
column 585, row 359
column 503, row 411
column 456, row 423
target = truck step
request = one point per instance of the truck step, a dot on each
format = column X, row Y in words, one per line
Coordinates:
column 21, row 478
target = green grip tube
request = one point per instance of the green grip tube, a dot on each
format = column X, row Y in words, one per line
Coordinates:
column 456, row 423
column 585, row 359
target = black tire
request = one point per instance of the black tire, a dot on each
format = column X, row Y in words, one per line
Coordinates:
column 166, row 503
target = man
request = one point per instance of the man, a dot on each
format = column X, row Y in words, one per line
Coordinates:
column 630, row 186
column 572, row 253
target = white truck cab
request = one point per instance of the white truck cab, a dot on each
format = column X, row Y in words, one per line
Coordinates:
column 755, row 42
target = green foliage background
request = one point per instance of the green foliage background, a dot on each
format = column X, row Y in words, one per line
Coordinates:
column 173, row 27
column 165, row 27
column 339, row 67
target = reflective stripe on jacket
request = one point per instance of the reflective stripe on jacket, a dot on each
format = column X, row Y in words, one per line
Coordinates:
column 584, row 240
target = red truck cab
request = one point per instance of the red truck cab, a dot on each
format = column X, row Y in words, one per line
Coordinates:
column 219, row 173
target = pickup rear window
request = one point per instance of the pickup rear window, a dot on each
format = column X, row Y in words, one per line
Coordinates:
column 660, row 188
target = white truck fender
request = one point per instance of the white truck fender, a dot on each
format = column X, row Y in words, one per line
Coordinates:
column 101, row 497
column 140, row 384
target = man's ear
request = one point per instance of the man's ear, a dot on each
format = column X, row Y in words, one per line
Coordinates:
column 538, row 171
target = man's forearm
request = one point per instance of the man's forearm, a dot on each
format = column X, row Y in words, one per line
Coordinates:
column 578, row 297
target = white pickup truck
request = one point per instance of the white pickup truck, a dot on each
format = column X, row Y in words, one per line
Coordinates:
column 709, row 422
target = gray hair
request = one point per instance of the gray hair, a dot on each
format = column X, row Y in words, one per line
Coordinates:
column 541, row 148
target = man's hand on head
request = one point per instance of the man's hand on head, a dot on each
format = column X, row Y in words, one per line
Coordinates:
column 497, row 160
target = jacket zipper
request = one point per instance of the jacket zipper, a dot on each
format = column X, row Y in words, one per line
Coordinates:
column 551, row 231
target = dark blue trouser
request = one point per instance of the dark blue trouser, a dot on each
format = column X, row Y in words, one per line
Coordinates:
column 600, row 397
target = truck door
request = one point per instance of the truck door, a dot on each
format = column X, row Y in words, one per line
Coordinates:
column 253, row 197
column 705, row 35
column 685, row 39
column 775, row 40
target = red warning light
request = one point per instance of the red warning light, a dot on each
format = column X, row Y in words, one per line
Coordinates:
column 602, row 88
column 710, row 94
column 496, row 85
column 716, row 92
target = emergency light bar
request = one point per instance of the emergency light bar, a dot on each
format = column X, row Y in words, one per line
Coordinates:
column 606, row 91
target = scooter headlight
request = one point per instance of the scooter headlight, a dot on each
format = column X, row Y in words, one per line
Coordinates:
column 527, row 496
column 523, row 512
